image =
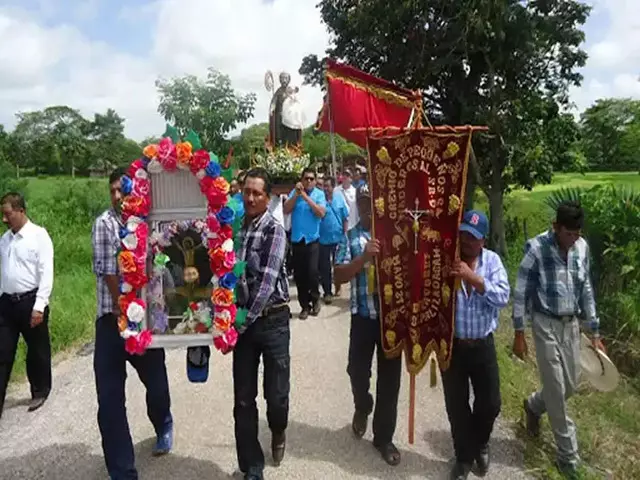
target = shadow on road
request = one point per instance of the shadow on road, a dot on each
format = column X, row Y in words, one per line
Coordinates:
column 504, row 451
column 75, row 462
column 358, row 457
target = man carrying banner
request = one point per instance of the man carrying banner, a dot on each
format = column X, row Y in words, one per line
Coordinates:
column 354, row 261
column 484, row 290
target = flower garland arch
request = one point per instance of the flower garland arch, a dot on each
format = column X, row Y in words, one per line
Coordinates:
column 219, row 228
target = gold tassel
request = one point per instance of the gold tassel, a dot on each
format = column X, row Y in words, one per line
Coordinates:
column 434, row 377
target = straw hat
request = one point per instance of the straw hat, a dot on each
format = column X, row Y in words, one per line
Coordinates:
column 597, row 367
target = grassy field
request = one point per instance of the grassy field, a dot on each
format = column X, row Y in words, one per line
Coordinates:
column 608, row 424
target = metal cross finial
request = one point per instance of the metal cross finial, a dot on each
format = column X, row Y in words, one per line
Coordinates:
column 415, row 216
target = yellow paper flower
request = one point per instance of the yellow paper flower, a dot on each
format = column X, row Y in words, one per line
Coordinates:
column 379, row 204
column 446, row 294
column 383, row 155
column 454, row 204
column 390, row 335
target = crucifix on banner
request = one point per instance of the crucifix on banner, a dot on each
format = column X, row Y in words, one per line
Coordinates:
column 416, row 214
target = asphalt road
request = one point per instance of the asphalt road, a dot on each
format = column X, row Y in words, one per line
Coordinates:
column 61, row 441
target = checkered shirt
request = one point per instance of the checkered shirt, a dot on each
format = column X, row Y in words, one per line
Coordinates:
column 263, row 245
column 554, row 286
column 349, row 248
column 476, row 314
column 105, row 240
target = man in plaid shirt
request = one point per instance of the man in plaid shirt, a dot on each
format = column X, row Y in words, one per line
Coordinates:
column 355, row 256
column 484, row 290
column 264, row 291
column 554, row 280
column 110, row 357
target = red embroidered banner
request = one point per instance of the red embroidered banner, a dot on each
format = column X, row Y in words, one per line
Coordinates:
column 356, row 100
column 417, row 183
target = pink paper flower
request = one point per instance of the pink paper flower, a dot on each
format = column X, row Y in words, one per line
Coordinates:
column 141, row 187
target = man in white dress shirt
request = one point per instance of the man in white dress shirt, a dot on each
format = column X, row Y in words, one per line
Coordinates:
column 26, row 280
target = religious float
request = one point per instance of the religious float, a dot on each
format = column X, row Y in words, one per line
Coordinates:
column 283, row 156
column 176, row 260
column 417, row 179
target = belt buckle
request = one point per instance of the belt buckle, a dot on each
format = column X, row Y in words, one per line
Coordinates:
column 15, row 297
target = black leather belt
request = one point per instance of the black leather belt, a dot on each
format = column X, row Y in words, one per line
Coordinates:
column 473, row 341
column 273, row 309
column 18, row 297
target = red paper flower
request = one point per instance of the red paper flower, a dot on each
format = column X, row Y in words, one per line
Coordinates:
column 125, row 300
column 167, row 154
column 199, row 161
column 216, row 260
column 201, row 328
column 137, row 345
column 226, row 232
column 133, row 168
column 136, row 279
column 193, row 306
column 141, row 187
column 216, row 199
column 227, row 341
column 212, row 223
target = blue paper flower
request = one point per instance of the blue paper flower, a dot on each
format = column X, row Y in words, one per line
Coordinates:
column 213, row 170
column 126, row 185
column 225, row 216
column 229, row 281
column 132, row 326
column 123, row 232
column 145, row 161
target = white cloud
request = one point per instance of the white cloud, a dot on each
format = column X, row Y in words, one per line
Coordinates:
column 242, row 38
column 44, row 63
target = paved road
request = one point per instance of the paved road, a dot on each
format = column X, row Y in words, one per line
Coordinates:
column 61, row 441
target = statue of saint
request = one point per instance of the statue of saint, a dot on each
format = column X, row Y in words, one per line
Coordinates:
column 286, row 117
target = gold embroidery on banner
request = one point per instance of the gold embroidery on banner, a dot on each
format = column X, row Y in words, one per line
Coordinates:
column 386, row 265
column 414, row 334
column 452, row 149
column 379, row 92
column 446, row 295
column 390, row 335
column 381, row 175
column 454, row 204
column 383, row 156
column 397, row 241
column 416, row 354
column 402, row 142
column 379, row 203
column 431, row 142
column 392, row 318
column 388, row 294
column 430, row 235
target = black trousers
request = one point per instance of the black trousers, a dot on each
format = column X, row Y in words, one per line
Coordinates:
column 268, row 337
column 471, row 428
column 110, row 369
column 15, row 320
column 305, row 273
column 364, row 338
column 325, row 262
column 289, row 257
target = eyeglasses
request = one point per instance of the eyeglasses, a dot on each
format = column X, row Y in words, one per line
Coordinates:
column 309, row 179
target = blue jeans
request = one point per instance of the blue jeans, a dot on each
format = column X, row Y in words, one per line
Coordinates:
column 110, row 368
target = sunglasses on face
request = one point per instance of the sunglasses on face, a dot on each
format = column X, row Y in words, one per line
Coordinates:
column 309, row 179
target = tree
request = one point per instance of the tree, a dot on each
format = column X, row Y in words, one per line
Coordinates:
column 611, row 134
column 210, row 107
column 507, row 64
column 51, row 140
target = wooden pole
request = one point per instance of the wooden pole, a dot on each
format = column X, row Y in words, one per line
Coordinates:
column 412, row 406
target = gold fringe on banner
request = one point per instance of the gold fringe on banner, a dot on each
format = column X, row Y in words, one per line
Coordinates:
column 434, row 377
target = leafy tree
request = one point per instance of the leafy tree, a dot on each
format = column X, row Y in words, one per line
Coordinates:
column 210, row 107
column 250, row 140
column 507, row 64
column 611, row 134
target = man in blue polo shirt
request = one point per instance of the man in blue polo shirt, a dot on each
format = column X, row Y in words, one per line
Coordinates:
column 307, row 206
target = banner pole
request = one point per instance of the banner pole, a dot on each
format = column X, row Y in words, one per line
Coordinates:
column 412, row 406
column 332, row 136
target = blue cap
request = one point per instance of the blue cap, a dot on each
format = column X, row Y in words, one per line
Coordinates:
column 198, row 364
column 475, row 223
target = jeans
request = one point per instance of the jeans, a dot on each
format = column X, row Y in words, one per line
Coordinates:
column 471, row 428
column 325, row 264
column 305, row 273
column 364, row 338
column 110, row 368
column 268, row 337
column 15, row 320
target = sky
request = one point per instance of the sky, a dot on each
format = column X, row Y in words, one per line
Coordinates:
column 98, row 54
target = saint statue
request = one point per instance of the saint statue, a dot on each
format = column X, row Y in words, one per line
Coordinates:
column 286, row 117
column 180, row 297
